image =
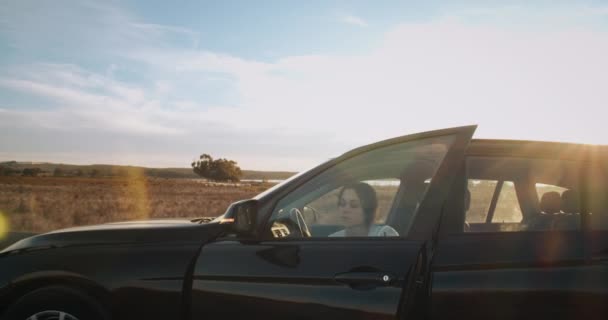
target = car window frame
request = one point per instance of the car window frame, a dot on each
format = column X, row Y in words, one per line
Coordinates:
column 389, row 211
column 398, row 197
column 452, row 159
column 455, row 216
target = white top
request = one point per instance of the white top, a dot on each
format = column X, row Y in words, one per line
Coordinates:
column 377, row 230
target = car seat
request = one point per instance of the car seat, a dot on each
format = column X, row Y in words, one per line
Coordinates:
column 570, row 203
column 570, row 218
column 550, row 205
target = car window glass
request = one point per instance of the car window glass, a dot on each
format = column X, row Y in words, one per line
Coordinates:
column 324, row 210
column 319, row 211
column 480, row 194
column 507, row 208
column 542, row 188
column 521, row 194
column 386, row 189
column 356, row 196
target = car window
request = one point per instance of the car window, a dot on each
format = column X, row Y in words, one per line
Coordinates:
column 323, row 211
column 492, row 201
column 520, row 194
column 480, row 198
column 507, row 207
column 356, row 197
column 542, row 188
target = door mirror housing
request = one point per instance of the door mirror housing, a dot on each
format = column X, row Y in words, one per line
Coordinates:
column 241, row 217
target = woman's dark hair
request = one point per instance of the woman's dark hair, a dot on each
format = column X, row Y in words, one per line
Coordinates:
column 367, row 198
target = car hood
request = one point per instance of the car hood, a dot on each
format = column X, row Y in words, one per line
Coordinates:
column 148, row 231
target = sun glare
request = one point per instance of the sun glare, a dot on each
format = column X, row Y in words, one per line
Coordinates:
column 3, row 225
column 137, row 189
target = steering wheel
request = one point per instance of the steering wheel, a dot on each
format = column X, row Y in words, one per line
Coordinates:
column 315, row 213
column 295, row 215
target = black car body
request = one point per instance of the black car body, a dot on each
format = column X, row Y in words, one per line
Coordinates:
column 478, row 238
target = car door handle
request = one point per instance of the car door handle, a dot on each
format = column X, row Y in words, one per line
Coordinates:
column 365, row 278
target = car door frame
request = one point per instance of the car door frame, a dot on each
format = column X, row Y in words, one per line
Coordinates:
column 447, row 286
column 594, row 201
column 452, row 159
column 439, row 187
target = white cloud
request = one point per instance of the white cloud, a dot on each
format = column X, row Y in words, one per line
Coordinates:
column 515, row 83
column 87, row 100
column 352, row 20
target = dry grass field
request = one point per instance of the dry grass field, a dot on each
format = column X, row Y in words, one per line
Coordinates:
column 39, row 204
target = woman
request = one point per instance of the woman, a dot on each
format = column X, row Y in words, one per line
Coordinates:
column 357, row 204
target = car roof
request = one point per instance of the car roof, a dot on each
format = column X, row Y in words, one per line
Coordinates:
column 533, row 149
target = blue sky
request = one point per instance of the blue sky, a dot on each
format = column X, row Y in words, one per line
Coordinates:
column 283, row 85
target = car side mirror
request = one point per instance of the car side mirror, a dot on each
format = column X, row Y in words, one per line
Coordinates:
column 241, row 217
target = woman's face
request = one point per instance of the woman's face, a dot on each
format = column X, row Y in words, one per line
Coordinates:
column 350, row 209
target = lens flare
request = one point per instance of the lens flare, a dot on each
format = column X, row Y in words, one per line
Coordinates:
column 138, row 191
column 3, row 225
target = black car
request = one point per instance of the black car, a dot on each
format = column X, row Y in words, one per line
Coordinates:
column 431, row 225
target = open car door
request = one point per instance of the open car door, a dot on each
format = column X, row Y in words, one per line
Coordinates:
column 291, row 270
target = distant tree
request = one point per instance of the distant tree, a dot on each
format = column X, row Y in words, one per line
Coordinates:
column 58, row 172
column 7, row 168
column 6, row 171
column 202, row 167
column 78, row 173
column 219, row 170
column 30, row 172
column 94, row 173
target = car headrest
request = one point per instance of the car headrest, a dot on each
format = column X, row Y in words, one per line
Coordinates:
column 551, row 202
column 570, row 202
